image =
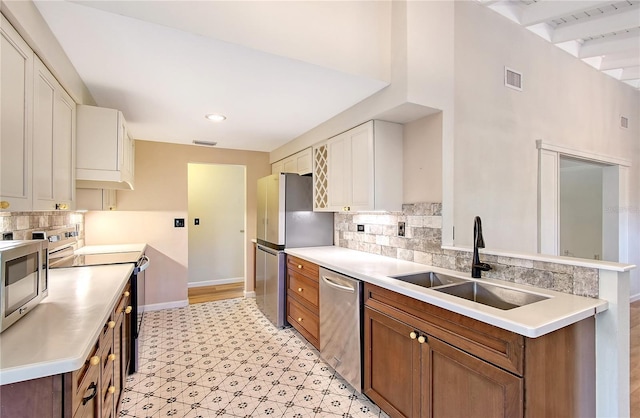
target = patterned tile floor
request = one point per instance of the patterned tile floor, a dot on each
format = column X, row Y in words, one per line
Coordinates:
column 225, row 359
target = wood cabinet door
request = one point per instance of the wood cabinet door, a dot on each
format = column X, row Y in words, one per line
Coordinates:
column 457, row 384
column 391, row 365
column 16, row 84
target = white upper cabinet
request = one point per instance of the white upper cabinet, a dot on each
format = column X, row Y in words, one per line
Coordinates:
column 360, row 169
column 16, row 85
column 300, row 162
column 105, row 150
column 54, row 126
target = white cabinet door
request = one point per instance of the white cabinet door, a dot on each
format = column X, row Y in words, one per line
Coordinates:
column 361, row 186
column 105, row 150
column 16, row 85
column 53, row 143
column 350, row 169
column 304, row 161
column 300, row 162
column 339, row 173
column 363, row 168
column 277, row 167
column 290, row 165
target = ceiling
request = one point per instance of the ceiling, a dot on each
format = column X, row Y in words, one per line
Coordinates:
column 167, row 64
column 278, row 69
column 604, row 34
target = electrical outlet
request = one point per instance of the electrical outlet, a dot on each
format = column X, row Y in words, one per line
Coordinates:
column 360, row 228
column 401, row 229
column 178, row 222
column 7, row 236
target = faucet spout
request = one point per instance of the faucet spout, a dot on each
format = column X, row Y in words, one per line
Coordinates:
column 478, row 242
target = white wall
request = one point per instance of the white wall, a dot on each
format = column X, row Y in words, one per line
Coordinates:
column 167, row 247
column 216, row 197
column 421, row 83
column 422, row 165
column 564, row 102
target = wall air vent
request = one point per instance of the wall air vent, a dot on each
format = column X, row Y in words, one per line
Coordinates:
column 512, row 79
column 205, row 143
column 624, row 122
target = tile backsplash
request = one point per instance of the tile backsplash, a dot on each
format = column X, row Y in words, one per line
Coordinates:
column 22, row 224
column 422, row 244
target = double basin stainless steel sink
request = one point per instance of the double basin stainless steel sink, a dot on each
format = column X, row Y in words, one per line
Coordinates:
column 482, row 293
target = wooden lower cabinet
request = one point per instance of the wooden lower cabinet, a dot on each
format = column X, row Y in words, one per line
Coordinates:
column 415, row 365
column 392, row 365
column 303, row 308
column 92, row 391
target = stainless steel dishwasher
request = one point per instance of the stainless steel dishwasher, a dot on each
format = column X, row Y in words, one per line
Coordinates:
column 340, row 325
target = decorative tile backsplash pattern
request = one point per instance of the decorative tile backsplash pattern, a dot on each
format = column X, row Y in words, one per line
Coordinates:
column 422, row 244
column 23, row 223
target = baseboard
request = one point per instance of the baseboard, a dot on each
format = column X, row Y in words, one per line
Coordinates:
column 634, row 298
column 215, row 282
column 250, row 294
column 166, row 305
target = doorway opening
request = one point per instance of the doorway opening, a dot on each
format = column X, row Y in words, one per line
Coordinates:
column 216, row 224
column 579, row 199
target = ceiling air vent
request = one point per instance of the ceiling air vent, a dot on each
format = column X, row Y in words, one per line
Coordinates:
column 624, row 122
column 512, row 79
column 205, row 143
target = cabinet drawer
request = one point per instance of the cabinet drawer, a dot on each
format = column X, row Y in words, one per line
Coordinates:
column 305, row 321
column 85, row 382
column 123, row 302
column 495, row 345
column 303, row 267
column 303, row 288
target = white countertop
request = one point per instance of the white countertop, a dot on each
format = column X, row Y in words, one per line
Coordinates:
column 57, row 336
column 532, row 320
column 113, row 248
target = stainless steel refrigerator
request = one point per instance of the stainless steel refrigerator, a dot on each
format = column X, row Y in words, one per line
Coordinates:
column 285, row 220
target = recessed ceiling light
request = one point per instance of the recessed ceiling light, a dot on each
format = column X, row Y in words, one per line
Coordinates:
column 215, row 117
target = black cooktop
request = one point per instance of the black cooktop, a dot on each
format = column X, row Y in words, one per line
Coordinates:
column 97, row 259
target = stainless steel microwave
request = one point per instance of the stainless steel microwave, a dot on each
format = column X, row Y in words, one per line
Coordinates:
column 25, row 278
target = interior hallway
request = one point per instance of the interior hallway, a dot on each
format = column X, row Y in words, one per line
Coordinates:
column 216, row 292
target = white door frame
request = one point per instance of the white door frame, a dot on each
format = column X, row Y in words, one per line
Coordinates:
column 615, row 179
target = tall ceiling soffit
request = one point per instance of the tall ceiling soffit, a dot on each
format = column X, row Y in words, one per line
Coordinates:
column 604, row 34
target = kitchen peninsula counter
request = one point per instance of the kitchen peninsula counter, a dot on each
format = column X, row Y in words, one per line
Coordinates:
column 57, row 336
column 533, row 320
column 111, row 248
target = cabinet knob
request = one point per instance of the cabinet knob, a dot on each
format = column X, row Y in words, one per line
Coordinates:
column 413, row 335
column 112, row 389
column 127, row 293
column 94, row 361
column 422, row 339
column 299, row 266
column 300, row 289
column 4, row 204
column 128, row 310
column 299, row 319
column 112, row 357
column 111, row 324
